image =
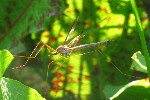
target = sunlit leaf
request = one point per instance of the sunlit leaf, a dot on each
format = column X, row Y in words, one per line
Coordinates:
column 12, row 89
column 15, row 90
column 138, row 63
column 5, row 59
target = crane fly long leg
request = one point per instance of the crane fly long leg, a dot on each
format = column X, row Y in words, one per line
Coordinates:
column 49, row 47
column 46, row 88
column 56, row 72
column 31, row 55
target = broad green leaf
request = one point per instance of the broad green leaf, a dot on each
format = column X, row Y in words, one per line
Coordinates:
column 5, row 59
column 15, row 90
column 135, row 90
column 12, row 89
column 138, row 63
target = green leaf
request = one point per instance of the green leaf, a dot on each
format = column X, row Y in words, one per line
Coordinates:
column 15, row 90
column 139, row 63
column 5, row 58
column 135, row 90
column 12, row 89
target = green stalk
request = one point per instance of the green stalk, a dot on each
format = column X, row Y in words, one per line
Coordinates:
column 142, row 37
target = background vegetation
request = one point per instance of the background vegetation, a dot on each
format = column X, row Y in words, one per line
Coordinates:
column 91, row 76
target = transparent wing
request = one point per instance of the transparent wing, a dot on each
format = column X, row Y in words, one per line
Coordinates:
column 72, row 30
column 75, row 40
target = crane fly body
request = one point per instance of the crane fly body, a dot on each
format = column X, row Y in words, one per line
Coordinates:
column 64, row 49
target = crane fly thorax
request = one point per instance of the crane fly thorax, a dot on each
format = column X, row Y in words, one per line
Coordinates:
column 64, row 50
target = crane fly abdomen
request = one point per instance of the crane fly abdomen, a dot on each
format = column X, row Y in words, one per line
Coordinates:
column 91, row 45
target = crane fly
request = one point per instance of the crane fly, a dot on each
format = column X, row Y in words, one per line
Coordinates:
column 64, row 49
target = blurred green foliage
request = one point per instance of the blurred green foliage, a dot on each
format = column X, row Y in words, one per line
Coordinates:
column 25, row 23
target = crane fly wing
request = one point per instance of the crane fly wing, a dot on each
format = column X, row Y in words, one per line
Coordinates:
column 75, row 40
column 72, row 30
